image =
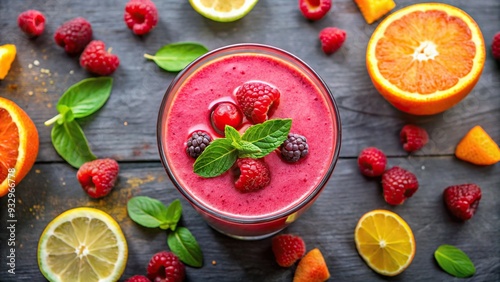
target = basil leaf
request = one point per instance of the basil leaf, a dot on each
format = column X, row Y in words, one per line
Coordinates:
column 183, row 244
column 268, row 135
column 176, row 56
column 71, row 144
column 147, row 211
column 87, row 96
column 172, row 215
column 454, row 261
column 217, row 158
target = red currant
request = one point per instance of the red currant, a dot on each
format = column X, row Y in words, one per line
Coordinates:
column 226, row 113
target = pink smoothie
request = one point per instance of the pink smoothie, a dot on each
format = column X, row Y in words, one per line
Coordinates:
column 300, row 100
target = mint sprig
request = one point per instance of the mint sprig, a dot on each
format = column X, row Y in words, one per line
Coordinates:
column 258, row 141
column 454, row 261
column 80, row 100
column 152, row 213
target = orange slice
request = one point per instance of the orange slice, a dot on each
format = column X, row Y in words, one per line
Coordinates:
column 18, row 145
column 385, row 241
column 374, row 10
column 7, row 55
column 426, row 58
column 477, row 147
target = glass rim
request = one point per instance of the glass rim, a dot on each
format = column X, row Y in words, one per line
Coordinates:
column 298, row 206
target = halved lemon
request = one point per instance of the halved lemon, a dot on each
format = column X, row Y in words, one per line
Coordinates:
column 425, row 58
column 82, row 245
column 223, row 10
column 385, row 241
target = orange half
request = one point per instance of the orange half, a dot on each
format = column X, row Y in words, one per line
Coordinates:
column 18, row 145
column 426, row 58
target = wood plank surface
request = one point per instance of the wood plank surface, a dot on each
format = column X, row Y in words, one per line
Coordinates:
column 328, row 224
column 125, row 129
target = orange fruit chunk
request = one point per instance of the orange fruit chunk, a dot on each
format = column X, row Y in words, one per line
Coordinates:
column 374, row 10
column 312, row 268
column 477, row 147
column 18, row 145
column 7, row 55
column 426, row 58
column 385, row 241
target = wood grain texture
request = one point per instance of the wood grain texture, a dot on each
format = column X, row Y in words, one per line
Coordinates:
column 125, row 129
column 329, row 224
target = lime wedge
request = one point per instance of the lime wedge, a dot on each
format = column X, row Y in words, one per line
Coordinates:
column 223, row 10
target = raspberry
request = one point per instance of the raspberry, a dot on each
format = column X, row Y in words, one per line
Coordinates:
column 97, row 60
column 372, row 162
column 288, row 249
column 166, row 267
column 495, row 46
column 226, row 113
column 331, row 39
column 258, row 100
column 398, row 184
column 253, row 175
column 462, row 200
column 141, row 16
column 314, row 9
column 294, row 148
column 98, row 177
column 413, row 137
column 197, row 142
column 74, row 35
column 31, row 22
column 138, row 278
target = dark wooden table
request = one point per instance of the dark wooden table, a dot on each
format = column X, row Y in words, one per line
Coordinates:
column 125, row 129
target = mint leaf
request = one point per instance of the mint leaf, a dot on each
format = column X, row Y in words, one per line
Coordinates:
column 71, row 144
column 147, row 211
column 232, row 134
column 246, row 149
column 176, row 56
column 454, row 261
column 172, row 215
column 267, row 136
column 217, row 158
column 183, row 244
column 86, row 97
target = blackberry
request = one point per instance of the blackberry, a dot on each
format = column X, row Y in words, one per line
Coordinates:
column 294, row 148
column 197, row 143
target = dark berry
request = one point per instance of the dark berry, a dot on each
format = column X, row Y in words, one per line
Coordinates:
column 74, row 35
column 398, row 185
column 253, row 175
column 258, row 100
column 294, row 148
column 31, row 22
column 197, row 142
column 462, row 200
column 141, row 16
column 372, row 162
column 97, row 60
column 98, row 177
column 413, row 137
column 226, row 113
column 166, row 267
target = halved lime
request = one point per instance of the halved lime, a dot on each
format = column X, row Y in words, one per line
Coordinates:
column 223, row 10
column 82, row 245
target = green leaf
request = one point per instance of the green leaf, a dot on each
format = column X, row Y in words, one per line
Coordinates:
column 147, row 211
column 232, row 134
column 267, row 136
column 172, row 215
column 183, row 244
column 217, row 158
column 71, row 144
column 247, row 149
column 454, row 261
column 86, row 97
column 176, row 56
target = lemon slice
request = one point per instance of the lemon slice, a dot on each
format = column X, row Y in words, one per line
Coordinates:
column 82, row 245
column 385, row 241
column 223, row 10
